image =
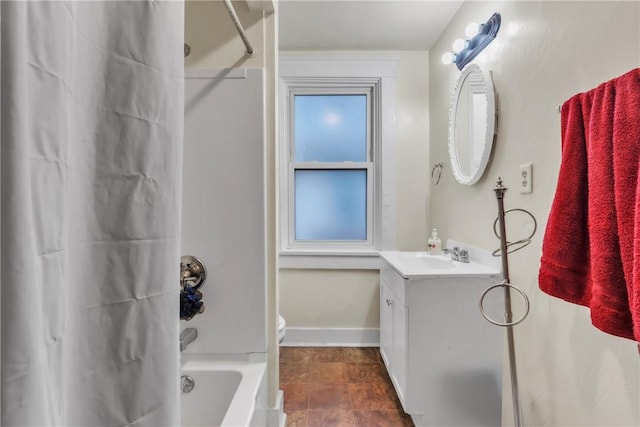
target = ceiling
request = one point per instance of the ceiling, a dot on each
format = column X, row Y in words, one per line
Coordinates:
column 363, row 24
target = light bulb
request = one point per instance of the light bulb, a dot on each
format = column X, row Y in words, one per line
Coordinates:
column 458, row 45
column 472, row 30
column 447, row 58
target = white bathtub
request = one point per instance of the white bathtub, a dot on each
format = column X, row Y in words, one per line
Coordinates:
column 225, row 392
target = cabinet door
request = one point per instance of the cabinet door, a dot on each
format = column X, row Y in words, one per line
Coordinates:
column 400, row 348
column 386, row 326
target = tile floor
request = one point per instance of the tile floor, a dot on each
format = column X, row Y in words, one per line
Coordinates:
column 336, row 387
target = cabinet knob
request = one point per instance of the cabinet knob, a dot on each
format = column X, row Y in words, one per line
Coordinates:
column 389, row 301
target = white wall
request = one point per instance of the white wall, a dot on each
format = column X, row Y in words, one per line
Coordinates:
column 330, row 298
column 350, row 298
column 571, row 374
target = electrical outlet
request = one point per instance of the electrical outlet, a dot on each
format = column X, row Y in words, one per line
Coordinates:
column 526, row 178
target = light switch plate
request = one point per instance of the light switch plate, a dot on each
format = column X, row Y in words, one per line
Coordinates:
column 526, row 178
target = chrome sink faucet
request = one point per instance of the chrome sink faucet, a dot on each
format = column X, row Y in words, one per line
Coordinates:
column 458, row 254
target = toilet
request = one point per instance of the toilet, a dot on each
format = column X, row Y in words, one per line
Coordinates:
column 282, row 328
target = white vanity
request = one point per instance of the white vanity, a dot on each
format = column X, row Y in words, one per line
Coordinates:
column 444, row 358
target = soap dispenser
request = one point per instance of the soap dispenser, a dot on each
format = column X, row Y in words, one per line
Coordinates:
column 435, row 244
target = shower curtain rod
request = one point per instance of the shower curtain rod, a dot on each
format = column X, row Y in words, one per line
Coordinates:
column 236, row 22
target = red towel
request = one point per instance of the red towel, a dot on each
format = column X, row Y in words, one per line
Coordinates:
column 591, row 247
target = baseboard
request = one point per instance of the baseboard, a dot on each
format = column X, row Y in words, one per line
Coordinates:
column 331, row 337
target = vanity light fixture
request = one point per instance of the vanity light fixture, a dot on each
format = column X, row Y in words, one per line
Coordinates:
column 479, row 37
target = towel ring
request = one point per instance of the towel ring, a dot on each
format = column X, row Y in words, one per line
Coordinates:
column 437, row 168
column 520, row 243
column 504, row 284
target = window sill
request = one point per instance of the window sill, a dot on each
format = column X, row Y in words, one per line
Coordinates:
column 331, row 260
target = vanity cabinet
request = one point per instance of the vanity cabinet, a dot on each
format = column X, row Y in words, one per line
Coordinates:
column 443, row 357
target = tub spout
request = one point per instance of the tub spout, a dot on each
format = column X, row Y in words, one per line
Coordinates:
column 187, row 337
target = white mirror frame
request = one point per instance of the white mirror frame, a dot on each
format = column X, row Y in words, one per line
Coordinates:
column 490, row 130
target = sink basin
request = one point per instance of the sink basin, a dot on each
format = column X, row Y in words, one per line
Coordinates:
column 422, row 264
column 430, row 261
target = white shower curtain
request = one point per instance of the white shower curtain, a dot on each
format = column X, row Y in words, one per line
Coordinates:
column 91, row 126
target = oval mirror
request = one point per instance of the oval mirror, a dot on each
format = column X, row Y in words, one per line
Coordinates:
column 472, row 119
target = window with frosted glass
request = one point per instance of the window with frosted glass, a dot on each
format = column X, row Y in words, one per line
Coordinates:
column 330, row 157
column 330, row 204
column 330, row 128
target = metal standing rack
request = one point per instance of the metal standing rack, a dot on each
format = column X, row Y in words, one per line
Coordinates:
column 509, row 322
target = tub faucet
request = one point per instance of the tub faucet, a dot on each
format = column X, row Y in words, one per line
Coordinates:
column 187, row 337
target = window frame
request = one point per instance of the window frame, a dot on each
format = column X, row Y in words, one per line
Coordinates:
column 329, row 75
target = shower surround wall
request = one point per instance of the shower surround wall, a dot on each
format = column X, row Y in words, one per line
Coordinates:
column 223, row 206
column 570, row 374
